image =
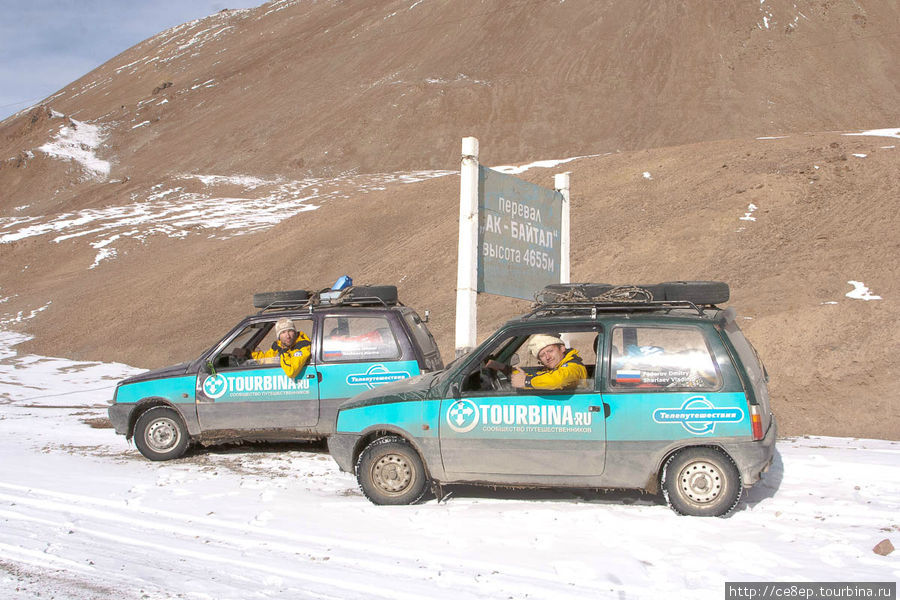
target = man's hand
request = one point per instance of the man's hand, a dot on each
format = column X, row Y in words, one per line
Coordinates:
column 497, row 366
column 517, row 379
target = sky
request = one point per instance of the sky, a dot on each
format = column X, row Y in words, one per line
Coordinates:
column 47, row 44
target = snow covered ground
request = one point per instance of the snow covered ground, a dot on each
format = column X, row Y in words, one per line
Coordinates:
column 83, row 515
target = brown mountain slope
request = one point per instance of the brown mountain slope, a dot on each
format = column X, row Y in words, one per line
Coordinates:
column 292, row 88
column 825, row 215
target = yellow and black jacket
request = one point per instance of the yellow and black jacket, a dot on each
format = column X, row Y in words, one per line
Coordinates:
column 565, row 376
column 293, row 359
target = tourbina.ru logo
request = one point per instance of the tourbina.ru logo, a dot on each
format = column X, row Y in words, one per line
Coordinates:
column 464, row 415
column 698, row 415
column 376, row 375
column 218, row 385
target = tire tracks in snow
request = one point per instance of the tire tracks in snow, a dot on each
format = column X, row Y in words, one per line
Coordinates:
column 330, row 563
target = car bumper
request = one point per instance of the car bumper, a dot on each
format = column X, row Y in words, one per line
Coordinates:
column 755, row 458
column 341, row 447
column 119, row 416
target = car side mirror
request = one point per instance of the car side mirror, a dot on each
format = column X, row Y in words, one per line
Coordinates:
column 454, row 390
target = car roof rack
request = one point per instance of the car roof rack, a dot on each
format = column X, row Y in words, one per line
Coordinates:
column 385, row 296
column 593, row 307
column 596, row 297
column 581, row 298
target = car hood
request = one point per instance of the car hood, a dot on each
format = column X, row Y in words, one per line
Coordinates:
column 403, row 390
column 173, row 371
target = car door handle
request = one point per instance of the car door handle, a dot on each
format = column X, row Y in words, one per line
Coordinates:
column 605, row 408
column 315, row 375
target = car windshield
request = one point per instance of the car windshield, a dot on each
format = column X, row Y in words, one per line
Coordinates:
column 442, row 375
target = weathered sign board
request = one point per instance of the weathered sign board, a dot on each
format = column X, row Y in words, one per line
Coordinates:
column 519, row 232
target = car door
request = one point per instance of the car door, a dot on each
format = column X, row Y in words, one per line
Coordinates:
column 245, row 395
column 489, row 429
column 360, row 350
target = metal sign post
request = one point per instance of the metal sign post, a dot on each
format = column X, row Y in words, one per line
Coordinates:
column 467, row 259
column 561, row 185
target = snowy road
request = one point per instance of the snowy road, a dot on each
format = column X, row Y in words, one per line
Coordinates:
column 83, row 515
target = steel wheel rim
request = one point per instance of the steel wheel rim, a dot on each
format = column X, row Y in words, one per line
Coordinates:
column 392, row 474
column 162, row 435
column 701, row 481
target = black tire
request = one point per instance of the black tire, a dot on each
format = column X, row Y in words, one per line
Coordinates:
column 385, row 293
column 698, row 292
column 701, row 482
column 656, row 290
column 160, row 434
column 288, row 297
column 389, row 471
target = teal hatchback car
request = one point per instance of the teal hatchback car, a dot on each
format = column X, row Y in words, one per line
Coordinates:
column 670, row 397
column 360, row 338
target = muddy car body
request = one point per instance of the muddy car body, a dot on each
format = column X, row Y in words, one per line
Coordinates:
column 675, row 400
column 360, row 339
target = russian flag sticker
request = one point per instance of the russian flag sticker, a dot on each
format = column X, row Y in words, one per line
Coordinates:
column 628, row 376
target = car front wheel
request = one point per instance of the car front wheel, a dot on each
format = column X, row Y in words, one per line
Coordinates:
column 390, row 471
column 160, row 434
column 701, row 482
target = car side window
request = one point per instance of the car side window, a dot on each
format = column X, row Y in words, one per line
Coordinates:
column 303, row 325
column 228, row 357
column 491, row 374
column 358, row 339
column 254, row 337
column 661, row 358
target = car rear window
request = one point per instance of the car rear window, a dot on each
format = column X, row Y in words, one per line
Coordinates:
column 661, row 358
column 420, row 332
column 358, row 339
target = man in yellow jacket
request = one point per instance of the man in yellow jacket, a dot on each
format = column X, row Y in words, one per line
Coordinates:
column 292, row 347
column 562, row 370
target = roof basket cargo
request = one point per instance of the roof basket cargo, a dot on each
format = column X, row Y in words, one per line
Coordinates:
column 380, row 295
column 697, row 292
column 284, row 299
column 359, row 294
column 603, row 296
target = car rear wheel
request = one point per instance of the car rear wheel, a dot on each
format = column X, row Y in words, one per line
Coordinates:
column 701, row 482
column 160, row 434
column 389, row 471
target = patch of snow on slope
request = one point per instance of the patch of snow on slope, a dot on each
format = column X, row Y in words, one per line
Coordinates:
column 543, row 164
column 893, row 132
column 278, row 5
column 174, row 212
column 861, row 292
column 79, row 143
column 22, row 316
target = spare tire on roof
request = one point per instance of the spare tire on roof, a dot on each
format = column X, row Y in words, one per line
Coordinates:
column 385, row 293
column 698, row 292
column 284, row 298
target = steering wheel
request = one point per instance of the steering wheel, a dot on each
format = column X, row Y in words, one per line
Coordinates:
column 497, row 375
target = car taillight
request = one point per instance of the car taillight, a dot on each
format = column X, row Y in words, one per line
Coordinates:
column 756, row 422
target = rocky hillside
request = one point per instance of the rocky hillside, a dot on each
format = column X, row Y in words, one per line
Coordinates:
column 287, row 145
